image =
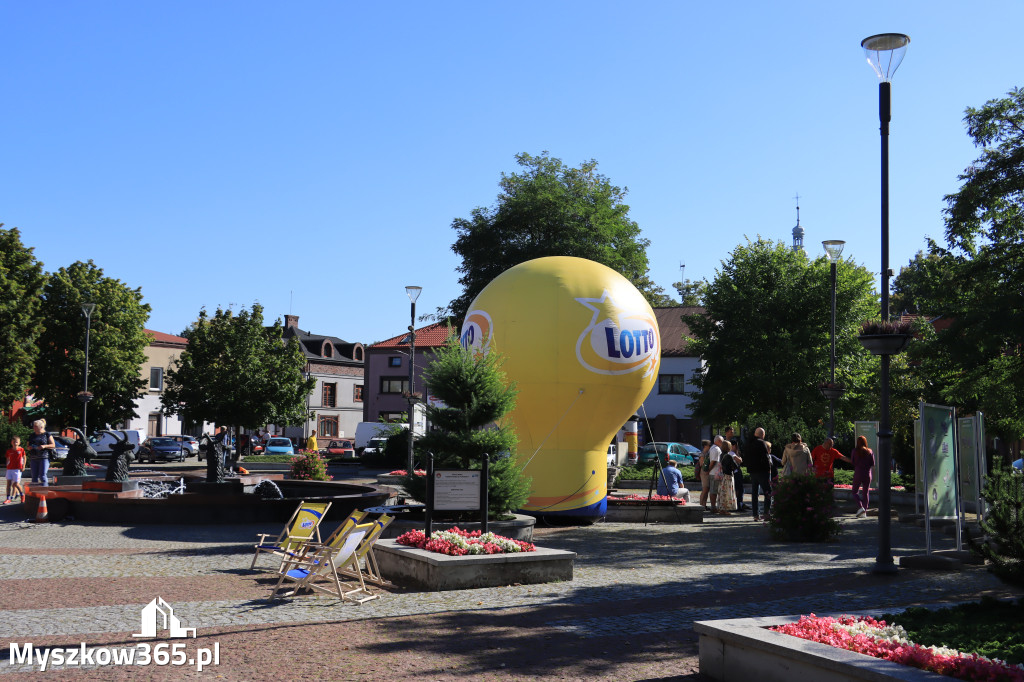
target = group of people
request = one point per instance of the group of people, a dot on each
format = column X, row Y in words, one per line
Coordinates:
column 720, row 468
column 40, row 447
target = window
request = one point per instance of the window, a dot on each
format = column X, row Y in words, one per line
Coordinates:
column 328, row 350
column 394, row 384
column 358, row 355
column 671, row 383
column 394, row 361
column 156, row 378
column 393, row 417
column 357, row 393
column 330, row 395
column 328, row 427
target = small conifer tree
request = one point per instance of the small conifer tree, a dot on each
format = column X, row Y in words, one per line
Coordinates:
column 1003, row 526
column 476, row 395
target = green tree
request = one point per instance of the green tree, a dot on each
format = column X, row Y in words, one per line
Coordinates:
column 550, row 209
column 765, row 337
column 238, row 373
column 117, row 346
column 979, row 358
column 476, row 395
column 21, row 284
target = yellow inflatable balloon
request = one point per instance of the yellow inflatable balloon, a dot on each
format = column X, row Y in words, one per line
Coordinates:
column 582, row 345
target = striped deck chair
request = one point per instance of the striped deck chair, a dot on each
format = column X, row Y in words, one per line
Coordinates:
column 364, row 568
column 310, row 546
column 303, row 526
column 308, row 571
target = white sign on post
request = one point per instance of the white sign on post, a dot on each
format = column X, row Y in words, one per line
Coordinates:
column 457, row 490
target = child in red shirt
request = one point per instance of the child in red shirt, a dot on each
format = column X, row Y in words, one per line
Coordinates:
column 15, row 463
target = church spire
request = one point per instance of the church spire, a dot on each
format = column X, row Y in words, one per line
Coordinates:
column 798, row 232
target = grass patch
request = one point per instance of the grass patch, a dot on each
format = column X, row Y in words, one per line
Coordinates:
column 645, row 473
column 269, row 459
column 990, row 628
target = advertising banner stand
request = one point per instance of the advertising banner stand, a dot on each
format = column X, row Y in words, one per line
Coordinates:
column 940, row 480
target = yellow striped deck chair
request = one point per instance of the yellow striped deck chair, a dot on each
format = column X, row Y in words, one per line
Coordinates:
column 303, row 526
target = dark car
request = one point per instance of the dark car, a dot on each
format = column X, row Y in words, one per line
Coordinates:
column 679, row 453
column 162, row 448
column 340, row 448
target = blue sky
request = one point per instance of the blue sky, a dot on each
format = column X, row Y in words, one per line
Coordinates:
column 312, row 156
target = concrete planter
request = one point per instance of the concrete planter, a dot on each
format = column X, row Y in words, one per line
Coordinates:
column 440, row 572
column 661, row 513
column 743, row 648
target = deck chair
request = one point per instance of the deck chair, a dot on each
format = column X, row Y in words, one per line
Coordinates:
column 310, row 546
column 303, row 526
column 364, row 568
column 321, row 566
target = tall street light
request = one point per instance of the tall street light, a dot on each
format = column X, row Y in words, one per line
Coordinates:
column 414, row 293
column 884, row 53
column 834, row 249
column 85, row 396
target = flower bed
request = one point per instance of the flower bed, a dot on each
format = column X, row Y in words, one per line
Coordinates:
column 844, row 486
column 865, row 635
column 640, row 500
column 401, row 472
column 456, row 542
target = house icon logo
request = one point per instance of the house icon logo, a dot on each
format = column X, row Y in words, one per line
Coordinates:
column 158, row 614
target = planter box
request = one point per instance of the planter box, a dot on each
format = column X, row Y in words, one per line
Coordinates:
column 661, row 513
column 744, row 649
column 519, row 528
column 440, row 572
column 884, row 344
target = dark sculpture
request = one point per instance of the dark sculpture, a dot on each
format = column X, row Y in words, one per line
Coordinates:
column 117, row 470
column 79, row 452
column 214, row 460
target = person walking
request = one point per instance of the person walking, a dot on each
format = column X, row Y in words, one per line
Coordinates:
column 796, row 458
column 758, row 460
column 311, row 442
column 863, row 462
column 40, row 447
column 15, row 463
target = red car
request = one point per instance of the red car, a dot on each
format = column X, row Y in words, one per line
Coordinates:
column 340, row 448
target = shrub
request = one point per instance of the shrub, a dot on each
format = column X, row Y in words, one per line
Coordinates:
column 1004, row 524
column 802, row 510
column 309, row 466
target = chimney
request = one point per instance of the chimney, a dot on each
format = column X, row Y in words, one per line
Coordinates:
column 291, row 321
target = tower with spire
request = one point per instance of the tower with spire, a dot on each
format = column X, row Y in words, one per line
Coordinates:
column 798, row 232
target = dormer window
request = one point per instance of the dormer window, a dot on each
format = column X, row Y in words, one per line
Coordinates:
column 328, row 349
column 357, row 354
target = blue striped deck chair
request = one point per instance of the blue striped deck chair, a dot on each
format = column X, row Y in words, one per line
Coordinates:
column 303, row 526
column 317, row 571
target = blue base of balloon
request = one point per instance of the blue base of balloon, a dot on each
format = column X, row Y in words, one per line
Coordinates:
column 590, row 512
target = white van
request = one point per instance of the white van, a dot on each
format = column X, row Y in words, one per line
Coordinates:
column 102, row 441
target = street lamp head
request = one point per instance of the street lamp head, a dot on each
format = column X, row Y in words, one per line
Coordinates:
column 87, row 308
column 885, row 52
column 834, row 248
column 413, row 292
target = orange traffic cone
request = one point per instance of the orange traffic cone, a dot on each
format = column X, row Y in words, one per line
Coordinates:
column 41, row 513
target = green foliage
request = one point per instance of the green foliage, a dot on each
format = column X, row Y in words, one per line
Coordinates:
column 117, row 347
column 21, row 283
column 550, row 209
column 9, row 429
column 476, row 396
column 802, row 510
column 395, row 453
column 766, row 334
column 309, row 466
column 236, row 371
column 645, row 473
column 1004, row 524
column 989, row 628
column 778, row 429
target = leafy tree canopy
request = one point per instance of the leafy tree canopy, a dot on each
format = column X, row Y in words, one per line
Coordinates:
column 117, row 346
column 766, row 335
column 237, row 372
column 21, row 284
column 550, row 209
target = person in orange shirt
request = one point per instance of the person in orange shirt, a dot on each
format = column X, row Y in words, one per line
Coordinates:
column 15, row 463
column 824, row 457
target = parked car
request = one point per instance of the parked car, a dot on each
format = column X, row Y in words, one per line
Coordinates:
column 339, row 448
column 375, row 446
column 162, row 448
column 279, row 446
column 679, row 453
column 101, row 442
column 189, row 443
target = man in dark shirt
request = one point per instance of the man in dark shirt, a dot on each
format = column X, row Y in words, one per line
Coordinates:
column 756, row 459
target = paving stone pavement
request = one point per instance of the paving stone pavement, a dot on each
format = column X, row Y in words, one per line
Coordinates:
column 636, row 591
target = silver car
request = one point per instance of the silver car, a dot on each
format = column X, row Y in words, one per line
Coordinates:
column 188, row 443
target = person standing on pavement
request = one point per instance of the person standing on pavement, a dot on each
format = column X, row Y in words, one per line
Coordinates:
column 863, row 463
column 757, row 458
column 796, row 458
column 727, row 492
column 311, row 442
column 40, row 447
column 15, row 463
column 737, row 476
column 824, row 456
column 715, row 457
column 704, row 469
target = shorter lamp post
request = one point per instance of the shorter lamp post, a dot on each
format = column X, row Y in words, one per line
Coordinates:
column 85, row 396
column 413, row 292
column 834, row 249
